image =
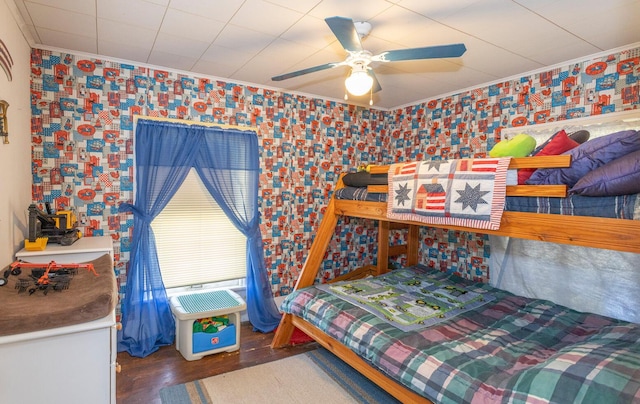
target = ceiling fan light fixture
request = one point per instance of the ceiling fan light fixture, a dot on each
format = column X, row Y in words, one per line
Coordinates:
column 362, row 78
column 359, row 81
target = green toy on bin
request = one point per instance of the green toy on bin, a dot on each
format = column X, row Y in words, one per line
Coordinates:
column 210, row 325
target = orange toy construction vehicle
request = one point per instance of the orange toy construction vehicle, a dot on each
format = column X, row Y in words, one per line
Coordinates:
column 44, row 277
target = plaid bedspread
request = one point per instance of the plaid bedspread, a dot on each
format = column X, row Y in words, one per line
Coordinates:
column 513, row 349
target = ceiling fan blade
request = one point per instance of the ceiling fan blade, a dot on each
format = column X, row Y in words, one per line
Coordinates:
column 344, row 29
column 306, row 71
column 376, row 84
column 428, row 52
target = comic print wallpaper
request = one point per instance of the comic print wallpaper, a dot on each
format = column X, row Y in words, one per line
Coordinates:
column 82, row 146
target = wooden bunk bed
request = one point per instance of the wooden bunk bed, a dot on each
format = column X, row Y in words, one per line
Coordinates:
column 613, row 234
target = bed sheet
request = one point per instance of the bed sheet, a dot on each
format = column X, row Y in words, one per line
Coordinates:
column 615, row 207
column 513, row 349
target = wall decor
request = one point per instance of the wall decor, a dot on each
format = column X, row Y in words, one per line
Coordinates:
column 4, row 126
column 6, row 61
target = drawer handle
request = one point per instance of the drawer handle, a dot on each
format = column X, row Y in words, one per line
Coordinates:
column 118, row 367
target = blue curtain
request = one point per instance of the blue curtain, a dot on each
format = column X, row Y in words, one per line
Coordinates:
column 227, row 162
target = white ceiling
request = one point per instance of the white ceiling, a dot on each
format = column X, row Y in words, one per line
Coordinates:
column 250, row 41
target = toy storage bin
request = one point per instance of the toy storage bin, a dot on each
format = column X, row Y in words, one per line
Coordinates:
column 192, row 307
column 206, row 341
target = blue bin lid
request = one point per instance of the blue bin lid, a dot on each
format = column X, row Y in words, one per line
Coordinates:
column 200, row 302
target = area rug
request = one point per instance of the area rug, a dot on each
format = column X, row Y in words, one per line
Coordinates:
column 313, row 377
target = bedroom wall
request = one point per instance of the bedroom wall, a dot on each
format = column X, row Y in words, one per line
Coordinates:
column 82, row 129
column 83, row 110
column 468, row 124
column 15, row 157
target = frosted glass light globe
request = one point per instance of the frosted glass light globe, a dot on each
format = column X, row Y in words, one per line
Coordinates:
column 359, row 82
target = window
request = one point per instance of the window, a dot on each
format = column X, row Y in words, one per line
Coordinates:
column 196, row 242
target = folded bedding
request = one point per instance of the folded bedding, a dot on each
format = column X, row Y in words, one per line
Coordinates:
column 509, row 349
column 360, row 194
column 363, row 178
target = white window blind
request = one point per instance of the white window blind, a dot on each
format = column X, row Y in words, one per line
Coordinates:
column 196, row 242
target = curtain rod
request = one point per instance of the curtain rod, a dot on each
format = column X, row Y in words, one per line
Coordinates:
column 186, row 122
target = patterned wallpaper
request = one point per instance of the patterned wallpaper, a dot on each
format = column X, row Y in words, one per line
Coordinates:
column 82, row 139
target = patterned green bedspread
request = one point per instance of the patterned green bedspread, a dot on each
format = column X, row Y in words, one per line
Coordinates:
column 512, row 349
column 409, row 301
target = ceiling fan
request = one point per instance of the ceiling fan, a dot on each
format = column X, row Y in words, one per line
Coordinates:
column 362, row 78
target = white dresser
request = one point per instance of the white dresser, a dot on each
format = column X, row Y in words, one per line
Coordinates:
column 71, row 364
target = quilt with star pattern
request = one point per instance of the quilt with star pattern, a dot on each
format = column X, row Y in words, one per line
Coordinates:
column 464, row 192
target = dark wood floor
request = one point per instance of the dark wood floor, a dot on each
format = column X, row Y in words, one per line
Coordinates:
column 141, row 379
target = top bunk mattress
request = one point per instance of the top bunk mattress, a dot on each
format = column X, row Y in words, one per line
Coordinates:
column 506, row 349
column 615, row 207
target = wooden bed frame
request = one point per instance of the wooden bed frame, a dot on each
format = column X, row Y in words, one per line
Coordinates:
column 603, row 233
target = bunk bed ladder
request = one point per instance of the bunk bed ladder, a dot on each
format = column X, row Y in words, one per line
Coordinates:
column 309, row 269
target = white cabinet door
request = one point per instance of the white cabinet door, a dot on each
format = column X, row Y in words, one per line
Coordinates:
column 66, row 369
